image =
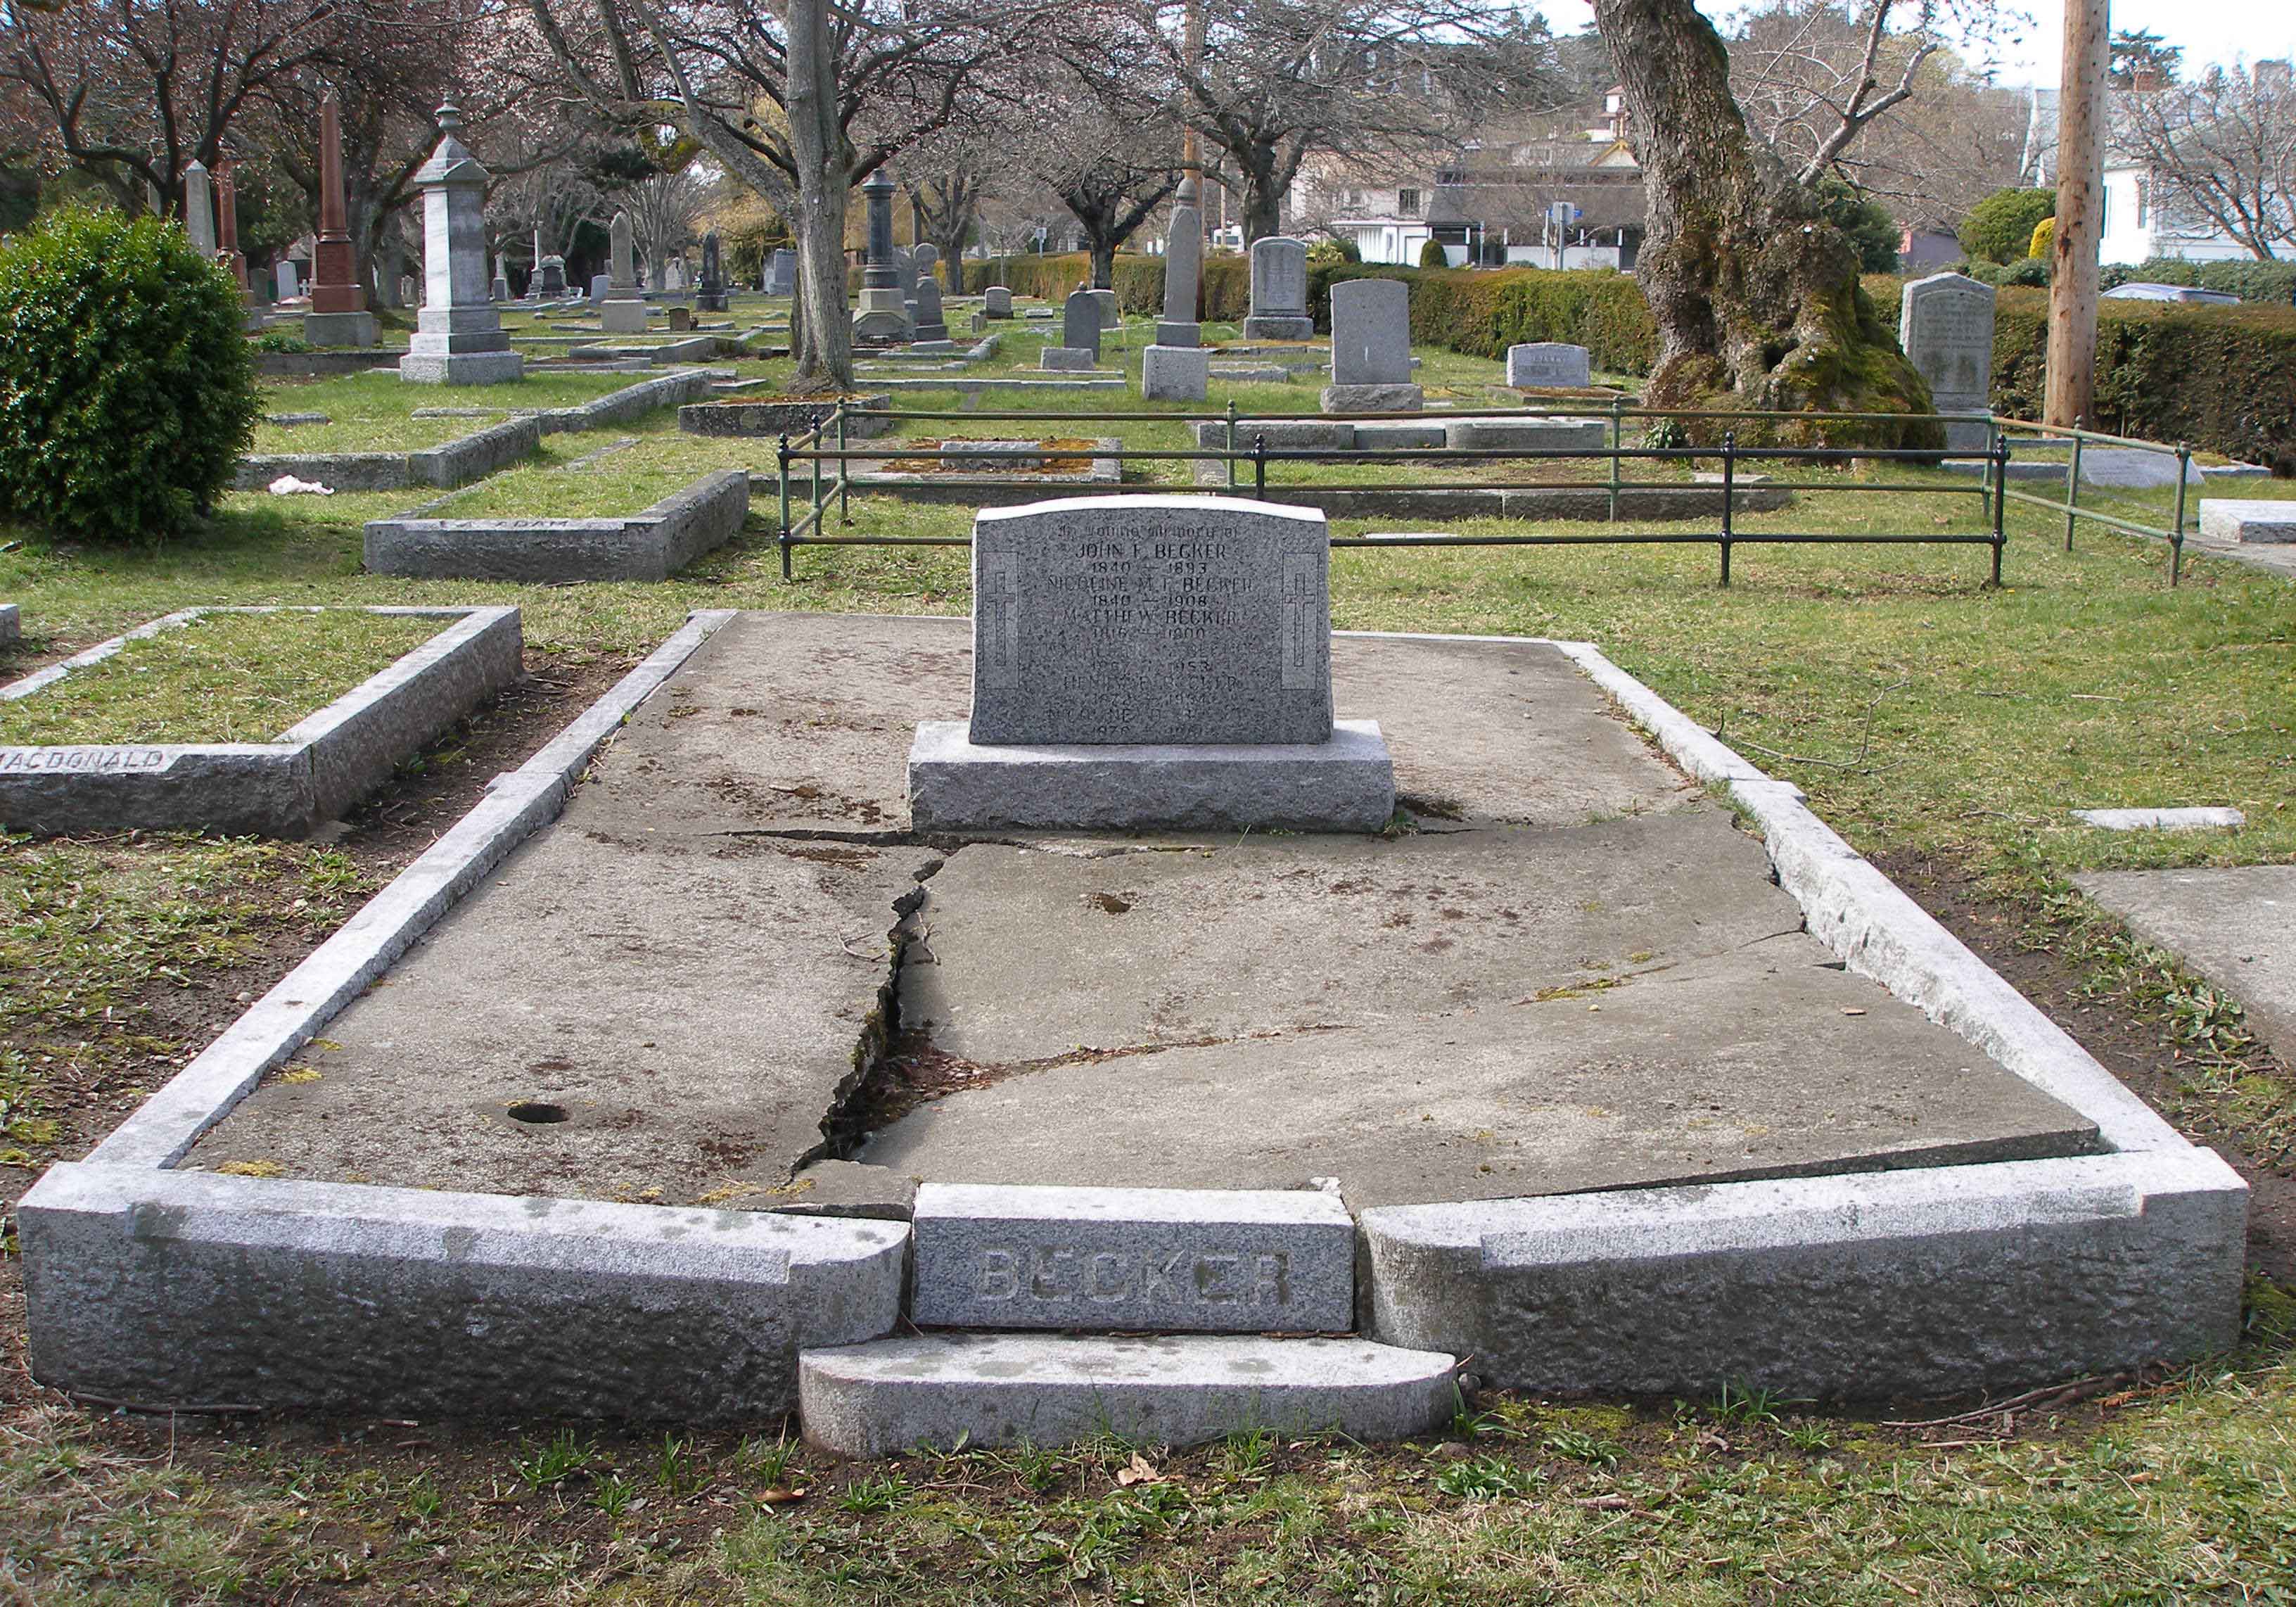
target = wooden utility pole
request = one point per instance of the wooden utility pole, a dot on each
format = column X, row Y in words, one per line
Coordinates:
column 2080, row 214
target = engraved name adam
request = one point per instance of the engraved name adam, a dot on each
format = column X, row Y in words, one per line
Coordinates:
column 1057, row 1273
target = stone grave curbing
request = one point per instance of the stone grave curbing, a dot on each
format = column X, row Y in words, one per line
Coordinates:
column 650, row 545
column 2230, row 519
column 285, row 788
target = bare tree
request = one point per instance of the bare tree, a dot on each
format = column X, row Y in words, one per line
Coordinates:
column 1279, row 81
column 798, row 100
column 133, row 92
column 2222, row 152
column 664, row 208
column 1873, row 93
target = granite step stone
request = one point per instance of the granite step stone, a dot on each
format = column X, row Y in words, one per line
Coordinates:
column 1133, row 1259
column 987, row 1389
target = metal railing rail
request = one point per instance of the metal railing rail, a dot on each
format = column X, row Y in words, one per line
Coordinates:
column 1992, row 489
column 2078, row 436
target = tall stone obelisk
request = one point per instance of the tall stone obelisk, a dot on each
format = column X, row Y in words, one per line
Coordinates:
column 339, row 314
column 459, row 338
column 623, row 312
column 199, row 209
column 1177, row 368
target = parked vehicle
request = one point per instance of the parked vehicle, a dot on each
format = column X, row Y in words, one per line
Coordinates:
column 2144, row 290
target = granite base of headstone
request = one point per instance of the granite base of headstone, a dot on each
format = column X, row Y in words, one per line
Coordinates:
column 1945, row 324
column 1067, row 359
column 883, row 317
column 335, row 330
column 1549, row 364
column 1176, row 373
column 1144, row 662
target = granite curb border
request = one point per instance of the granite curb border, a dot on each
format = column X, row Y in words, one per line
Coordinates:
column 1860, row 1285
column 651, row 545
column 313, row 772
column 149, row 1282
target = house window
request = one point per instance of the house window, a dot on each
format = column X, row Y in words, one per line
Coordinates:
column 2143, row 199
column 1449, row 177
column 1407, row 202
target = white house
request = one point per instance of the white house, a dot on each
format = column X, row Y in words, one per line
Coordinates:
column 2137, row 228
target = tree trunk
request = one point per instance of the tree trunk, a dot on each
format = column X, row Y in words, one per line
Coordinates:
column 824, row 354
column 1756, row 296
column 1103, row 262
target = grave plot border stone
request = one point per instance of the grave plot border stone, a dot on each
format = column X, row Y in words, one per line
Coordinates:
column 2253, row 519
column 313, row 773
column 653, row 544
column 11, row 624
column 145, row 1283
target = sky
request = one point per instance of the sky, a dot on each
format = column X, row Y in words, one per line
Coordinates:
column 2209, row 31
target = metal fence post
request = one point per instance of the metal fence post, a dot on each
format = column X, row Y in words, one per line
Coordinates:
column 2000, row 477
column 1729, row 485
column 1258, row 465
column 1618, row 434
column 2177, row 537
column 2072, row 483
column 1231, row 443
column 844, row 472
column 782, row 456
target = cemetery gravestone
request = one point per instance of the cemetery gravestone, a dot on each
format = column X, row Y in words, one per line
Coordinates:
column 1176, row 368
column 601, row 285
column 681, row 320
column 623, row 311
column 553, row 277
column 926, row 260
column 499, row 289
column 933, row 328
column 905, row 271
column 339, row 314
column 1549, row 364
column 781, row 276
column 290, row 287
column 883, row 316
column 199, row 209
column 1946, row 325
column 996, row 301
column 1371, row 349
column 1079, row 346
column 409, row 292
column 673, row 276
column 1152, row 660
column 711, row 295
column 458, row 337
column 1279, row 290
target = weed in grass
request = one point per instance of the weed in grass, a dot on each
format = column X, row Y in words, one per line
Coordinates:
column 676, row 1467
column 422, row 1499
column 1487, row 1479
column 1589, row 1448
column 560, row 1459
column 878, row 1492
column 766, row 1461
column 1808, row 1435
column 1739, row 1407
column 612, row 1495
column 1247, row 1453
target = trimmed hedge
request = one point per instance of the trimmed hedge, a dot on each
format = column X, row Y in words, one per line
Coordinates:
column 2222, row 377
column 2249, row 279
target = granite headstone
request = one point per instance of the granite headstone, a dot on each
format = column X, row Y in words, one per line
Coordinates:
column 1371, row 349
column 1160, row 619
column 1945, row 323
column 1081, row 322
column 1279, row 290
column 1551, row 363
column 996, row 301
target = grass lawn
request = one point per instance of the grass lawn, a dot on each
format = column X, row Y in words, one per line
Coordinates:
column 1933, row 720
column 217, row 678
column 372, row 412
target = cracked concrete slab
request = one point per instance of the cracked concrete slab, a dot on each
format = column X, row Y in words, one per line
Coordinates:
column 2236, row 926
column 1759, row 1062
column 1026, row 955
column 682, row 1013
column 787, row 722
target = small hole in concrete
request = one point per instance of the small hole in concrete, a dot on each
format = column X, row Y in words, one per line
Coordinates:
column 537, row 1113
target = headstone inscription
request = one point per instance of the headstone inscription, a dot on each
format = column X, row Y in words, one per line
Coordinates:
column 623, row 311
column 1144, row 662
column 1945, row 324
column 458, row 337
column 1371, row 349
column 1185, row 620
column 1549, row 364
column 1279, row 290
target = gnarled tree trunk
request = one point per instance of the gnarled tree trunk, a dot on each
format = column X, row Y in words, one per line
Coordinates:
column 1757, row 297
